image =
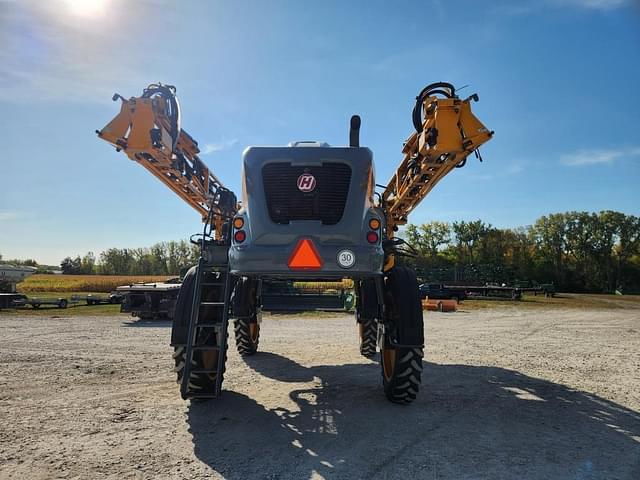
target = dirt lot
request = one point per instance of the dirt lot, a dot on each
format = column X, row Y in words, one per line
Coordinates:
column 513, row 392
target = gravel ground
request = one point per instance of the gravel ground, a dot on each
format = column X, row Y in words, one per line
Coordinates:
column 507, row 393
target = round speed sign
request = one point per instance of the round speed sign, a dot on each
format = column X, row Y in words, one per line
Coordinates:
column 346, row 258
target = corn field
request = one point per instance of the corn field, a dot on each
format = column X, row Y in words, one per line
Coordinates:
column 107, row 283
column 82, row 283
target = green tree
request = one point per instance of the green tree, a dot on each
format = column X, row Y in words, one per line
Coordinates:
column 626, row 253
column 467, row 236
column 116, row 261
column 160, row 258
column 71, row 266
column 88, row 264
column 549, row 235
column 428, row 237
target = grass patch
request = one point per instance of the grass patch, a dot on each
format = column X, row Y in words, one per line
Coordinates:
column 561, row 300
column 81, row 310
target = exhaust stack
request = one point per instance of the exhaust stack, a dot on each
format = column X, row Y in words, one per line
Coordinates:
column 354, row 131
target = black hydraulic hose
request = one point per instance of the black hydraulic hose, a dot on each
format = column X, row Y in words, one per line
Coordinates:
column 445, row 89
column 437, row 91
column 416, row 116
column 169, row 93
column 433, row 86
column 462, row 163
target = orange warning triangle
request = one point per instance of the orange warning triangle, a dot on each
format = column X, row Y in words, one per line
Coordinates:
column 305, row 256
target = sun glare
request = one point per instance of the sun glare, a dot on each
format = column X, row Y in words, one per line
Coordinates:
column 87, row 8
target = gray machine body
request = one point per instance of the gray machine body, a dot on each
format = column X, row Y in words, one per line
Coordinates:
column 278, row 214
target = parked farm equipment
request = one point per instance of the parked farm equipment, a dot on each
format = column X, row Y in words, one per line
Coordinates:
column 285, row 296
column 484, row 292
column 11, row 300
column 37, row 302
column 149, row 300
column 99, row 299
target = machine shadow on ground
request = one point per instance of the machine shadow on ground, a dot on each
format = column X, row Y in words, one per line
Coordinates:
column 469, row 422
column 142, row 323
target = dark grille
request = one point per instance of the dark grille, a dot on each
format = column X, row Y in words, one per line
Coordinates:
column 326, row 202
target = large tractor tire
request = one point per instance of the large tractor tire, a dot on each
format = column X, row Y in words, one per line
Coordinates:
column 367, row 312
column 246, row 324
column 182, row 311
column 403, row 342
column 201, row 360
column 368, row 329
column 247, row 333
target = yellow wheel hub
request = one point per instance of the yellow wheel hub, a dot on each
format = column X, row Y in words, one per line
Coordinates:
column 388, row 362
column 254, row 331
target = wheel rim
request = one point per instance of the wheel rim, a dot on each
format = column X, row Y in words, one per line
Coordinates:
column 210, row 360
column 210, row 357
column 254, row 331
column 388, row 362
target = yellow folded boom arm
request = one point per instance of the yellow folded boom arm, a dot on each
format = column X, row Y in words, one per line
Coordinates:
column 148, row 130
column 446, row 133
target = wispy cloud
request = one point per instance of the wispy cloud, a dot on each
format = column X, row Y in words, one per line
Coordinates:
column 210, row 148
column 8, row 215
column 591, row 4
column 596, row 157
column 526, row 7
column 514, row 168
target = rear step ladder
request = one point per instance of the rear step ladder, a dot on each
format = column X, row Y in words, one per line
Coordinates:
column 210, row 312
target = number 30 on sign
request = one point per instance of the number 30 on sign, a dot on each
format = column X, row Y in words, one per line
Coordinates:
column 346, row 258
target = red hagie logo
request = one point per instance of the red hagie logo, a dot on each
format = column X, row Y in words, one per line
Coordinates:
column 306, row 182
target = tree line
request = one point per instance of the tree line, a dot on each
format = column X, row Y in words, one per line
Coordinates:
column 164, row 258
column 577, row 251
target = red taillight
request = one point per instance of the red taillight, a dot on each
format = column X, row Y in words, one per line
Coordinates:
column 240, row 236
column 372, row 237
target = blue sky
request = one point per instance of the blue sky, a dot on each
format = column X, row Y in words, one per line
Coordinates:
column 558, row 80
